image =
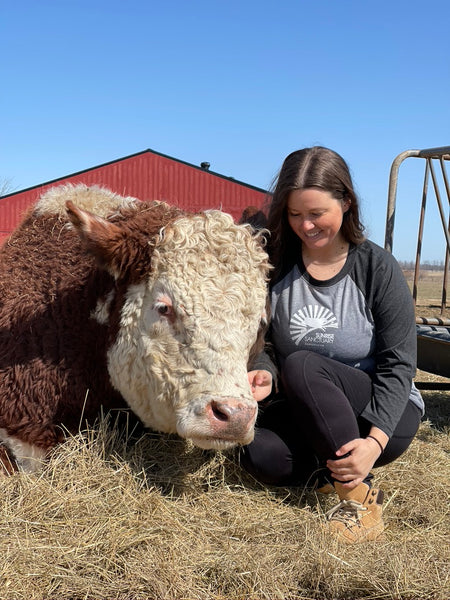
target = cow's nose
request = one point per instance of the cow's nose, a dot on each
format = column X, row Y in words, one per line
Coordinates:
column 223, row 410
column 230, row 416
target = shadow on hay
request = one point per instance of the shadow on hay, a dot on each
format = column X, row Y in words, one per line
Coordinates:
column 437, row 412
column 175, row 467
column 437, row 409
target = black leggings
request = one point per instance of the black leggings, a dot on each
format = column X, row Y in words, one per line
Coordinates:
column 320, row 410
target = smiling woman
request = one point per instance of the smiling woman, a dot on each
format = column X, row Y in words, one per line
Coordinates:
column 316, row 217
column 343, row 334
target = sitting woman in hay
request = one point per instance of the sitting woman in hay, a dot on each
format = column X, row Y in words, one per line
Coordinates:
column 344, row 340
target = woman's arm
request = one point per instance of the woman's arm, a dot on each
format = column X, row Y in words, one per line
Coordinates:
column 392, row 310
column 396, row 345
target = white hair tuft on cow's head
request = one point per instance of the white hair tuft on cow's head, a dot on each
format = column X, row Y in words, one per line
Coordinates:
column 96, row 199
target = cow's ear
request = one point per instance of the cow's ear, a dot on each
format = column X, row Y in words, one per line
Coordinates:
column 110, row 244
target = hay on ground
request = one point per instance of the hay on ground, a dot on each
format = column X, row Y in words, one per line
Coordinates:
column 114, row 518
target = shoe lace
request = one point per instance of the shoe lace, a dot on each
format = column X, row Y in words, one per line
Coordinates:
column 347, row 511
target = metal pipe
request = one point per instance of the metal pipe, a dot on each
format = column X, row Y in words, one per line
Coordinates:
column 439, row 203
column 443, row 151
column 444, row 321
column 447, row 254
column 440, row 152
column 392, row 196
column 420, row 232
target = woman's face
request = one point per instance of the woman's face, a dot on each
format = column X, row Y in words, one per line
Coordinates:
column 316, row 217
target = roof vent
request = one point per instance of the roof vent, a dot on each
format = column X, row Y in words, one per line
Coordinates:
column 205, row 165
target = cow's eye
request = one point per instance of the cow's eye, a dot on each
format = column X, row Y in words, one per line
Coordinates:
column 164, row 310
column 163, row 306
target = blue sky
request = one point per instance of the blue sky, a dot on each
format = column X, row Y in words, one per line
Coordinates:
column 239, row 84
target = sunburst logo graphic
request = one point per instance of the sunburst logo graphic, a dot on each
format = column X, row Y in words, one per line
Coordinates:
column 311, row 318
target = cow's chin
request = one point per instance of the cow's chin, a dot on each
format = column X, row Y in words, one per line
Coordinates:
column 209, row 443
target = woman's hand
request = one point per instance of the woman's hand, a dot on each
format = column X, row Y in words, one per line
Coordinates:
column 362, row 455
column 260, row 383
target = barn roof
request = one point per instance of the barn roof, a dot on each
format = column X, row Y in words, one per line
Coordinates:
column 146, row 175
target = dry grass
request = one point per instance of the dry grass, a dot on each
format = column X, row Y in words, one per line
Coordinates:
column 115, row 518
column 429, row 293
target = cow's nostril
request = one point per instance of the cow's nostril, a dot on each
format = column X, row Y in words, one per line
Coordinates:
column 219, row 411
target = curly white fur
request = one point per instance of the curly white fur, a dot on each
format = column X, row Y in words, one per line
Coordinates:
column 213, row 274
column 93, row 198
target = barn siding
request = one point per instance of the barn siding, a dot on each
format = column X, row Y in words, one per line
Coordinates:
column 147, row 175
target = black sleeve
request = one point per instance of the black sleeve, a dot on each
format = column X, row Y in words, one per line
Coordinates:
column 396, row 344
column 263, row 362
column 266, row 361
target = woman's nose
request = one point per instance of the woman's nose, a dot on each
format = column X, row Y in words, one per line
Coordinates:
column 307, row 225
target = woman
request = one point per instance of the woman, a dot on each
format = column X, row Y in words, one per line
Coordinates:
column 344, row 339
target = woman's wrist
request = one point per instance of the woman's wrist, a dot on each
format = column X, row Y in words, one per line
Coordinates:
column 379, row 437
column 377, row 441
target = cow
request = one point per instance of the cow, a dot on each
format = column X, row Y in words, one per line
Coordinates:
column 109, row 302
column 255, row 217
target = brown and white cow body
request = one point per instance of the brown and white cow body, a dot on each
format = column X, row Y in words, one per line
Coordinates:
column 109, row 301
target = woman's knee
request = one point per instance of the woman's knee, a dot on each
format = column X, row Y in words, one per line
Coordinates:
column 296, row 367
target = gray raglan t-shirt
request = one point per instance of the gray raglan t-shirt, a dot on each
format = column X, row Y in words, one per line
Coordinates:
column 363, row 317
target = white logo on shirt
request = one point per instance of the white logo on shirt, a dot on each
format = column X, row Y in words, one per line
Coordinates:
column 313, row 318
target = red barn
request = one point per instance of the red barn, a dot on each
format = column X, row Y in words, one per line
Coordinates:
column 147, row 175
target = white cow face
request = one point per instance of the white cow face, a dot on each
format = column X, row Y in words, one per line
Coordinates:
column 180, row 358
column 180, row 355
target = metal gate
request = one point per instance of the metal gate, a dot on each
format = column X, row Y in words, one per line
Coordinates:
column 433, row 333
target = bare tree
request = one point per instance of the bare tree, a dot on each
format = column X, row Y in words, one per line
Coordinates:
column 6, row 186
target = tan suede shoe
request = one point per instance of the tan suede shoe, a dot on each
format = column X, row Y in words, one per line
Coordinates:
column 358, row 516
